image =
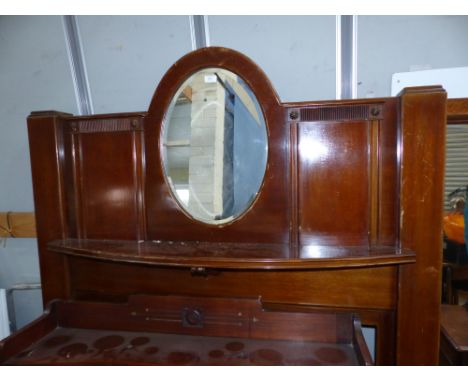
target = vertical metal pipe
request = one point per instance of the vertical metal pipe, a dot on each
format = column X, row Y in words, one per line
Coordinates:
column 338, row 56
column 77, row 65
column 346, row 57
column 199, row 30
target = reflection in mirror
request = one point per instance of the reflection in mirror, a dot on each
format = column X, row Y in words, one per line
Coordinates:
column 456, row 189
column 214, row 146
column 456, row 164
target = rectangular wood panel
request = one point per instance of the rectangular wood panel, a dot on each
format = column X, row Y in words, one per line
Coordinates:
column 334, row 183
column 361, row 287
column 108, row 177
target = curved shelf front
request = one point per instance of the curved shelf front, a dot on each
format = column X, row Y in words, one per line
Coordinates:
column 231, row 255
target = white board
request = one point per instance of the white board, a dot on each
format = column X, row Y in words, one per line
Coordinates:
column 454, row 80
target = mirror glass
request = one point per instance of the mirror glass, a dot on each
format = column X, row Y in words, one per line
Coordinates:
column 456, row 194
column 214, row 146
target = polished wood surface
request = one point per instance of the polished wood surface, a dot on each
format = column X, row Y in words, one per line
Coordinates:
column 380, row 319
column 268, row 219
column 107, row 172
column 348, row 216
column 179, row 330
column 46, row 147
column 454, row 335
column 368, row 287
column 232, row 255
column 333, row 173
column 423, row 126
column 454, row 324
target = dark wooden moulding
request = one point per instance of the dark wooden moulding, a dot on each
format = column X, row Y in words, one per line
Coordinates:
column 357, row 232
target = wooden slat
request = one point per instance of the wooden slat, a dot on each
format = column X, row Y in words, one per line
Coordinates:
column 17, row 224
column 457, row 110
column 374, row 184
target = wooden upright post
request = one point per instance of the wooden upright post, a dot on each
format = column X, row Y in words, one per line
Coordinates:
column 422, row 125
column 45, row 131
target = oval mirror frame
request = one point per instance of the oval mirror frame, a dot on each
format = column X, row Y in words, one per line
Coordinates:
column 213, row 131
column 165, row 217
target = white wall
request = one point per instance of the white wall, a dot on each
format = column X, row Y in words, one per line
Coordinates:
column 127, row 56
column 34, row 75
column 296, row 52
column 391, row 44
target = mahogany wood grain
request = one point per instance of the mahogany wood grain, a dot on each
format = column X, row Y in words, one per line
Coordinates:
column 422, row 126
column 108, row 184
column 382, row 320
column 384, row 180
column 454, row 335
column 231, row 255
column 454, row 323
column 293, row 191
column 371, row 287
column 31, row 333
column 333, row 183
column 268, row 218
column 388, row 173
column 93, row 333
column 379, row 190
column 47, row 164
column 373, row 182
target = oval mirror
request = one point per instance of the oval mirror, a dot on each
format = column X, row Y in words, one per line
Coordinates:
column 214, row 146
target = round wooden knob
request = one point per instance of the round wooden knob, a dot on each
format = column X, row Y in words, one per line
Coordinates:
column 192, row 317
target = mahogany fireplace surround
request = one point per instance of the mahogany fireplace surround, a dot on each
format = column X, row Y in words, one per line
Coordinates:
column 354, row 234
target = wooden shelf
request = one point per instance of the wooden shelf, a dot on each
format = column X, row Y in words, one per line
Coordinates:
column 230, row 255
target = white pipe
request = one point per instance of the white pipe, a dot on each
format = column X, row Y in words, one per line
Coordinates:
column 4, row 323
column 338, row 56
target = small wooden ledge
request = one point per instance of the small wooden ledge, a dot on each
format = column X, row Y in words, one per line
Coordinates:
column 230, row 255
